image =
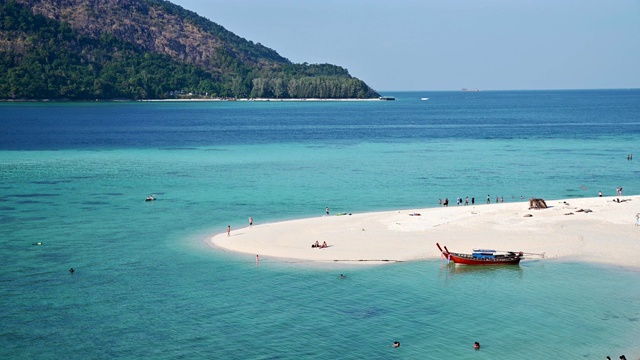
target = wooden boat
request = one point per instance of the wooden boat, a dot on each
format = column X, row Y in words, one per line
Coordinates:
column 483, row 257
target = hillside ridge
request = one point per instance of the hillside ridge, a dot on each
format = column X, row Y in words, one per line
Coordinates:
column 143, row 49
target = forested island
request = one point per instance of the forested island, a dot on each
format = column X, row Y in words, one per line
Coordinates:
column 146, row 49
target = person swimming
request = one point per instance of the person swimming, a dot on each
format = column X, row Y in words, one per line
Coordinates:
column 476, row 345
column 396, row 344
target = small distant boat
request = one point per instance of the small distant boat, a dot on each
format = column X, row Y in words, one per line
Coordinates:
column 386, row 98
column 424, row 99
column 483, row 257
column 470, row 90
column 150, row 198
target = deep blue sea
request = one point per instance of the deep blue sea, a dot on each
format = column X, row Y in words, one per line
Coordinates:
column 74, row 176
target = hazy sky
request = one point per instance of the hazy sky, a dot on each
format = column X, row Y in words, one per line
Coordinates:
column 448, row 44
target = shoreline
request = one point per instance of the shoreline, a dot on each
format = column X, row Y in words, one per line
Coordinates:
column 595, row 230
column 260, row 100
column 189, row 100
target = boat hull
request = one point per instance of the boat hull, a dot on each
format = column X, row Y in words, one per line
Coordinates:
column 467, row 261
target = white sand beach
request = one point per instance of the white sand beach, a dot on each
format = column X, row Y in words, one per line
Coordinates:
column 598, row 230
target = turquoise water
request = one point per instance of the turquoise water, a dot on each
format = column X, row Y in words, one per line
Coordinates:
column 74, row 177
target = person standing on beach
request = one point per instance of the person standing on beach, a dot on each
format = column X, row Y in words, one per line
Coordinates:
column 228, row 230
column 250, row 221
column 473, row 200
column 600, row 193
column 466, row 201
column 638, row 219
column 327, row 211
column 488, row 199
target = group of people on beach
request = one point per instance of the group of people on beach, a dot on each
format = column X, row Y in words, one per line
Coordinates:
column 318, row 246
column 459, row 200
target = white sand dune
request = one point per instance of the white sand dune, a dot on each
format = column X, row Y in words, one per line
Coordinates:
column 606, row 234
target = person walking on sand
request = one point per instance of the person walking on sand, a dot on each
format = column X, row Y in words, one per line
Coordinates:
column 228, row 230
column 250, row 221
column 638, row 219
column 327, row 211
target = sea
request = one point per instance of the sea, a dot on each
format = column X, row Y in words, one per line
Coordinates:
column 148, row 284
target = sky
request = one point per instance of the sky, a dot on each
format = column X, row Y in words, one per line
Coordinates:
column 414, row 45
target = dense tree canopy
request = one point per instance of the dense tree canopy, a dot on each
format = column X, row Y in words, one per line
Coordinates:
column 43, row 58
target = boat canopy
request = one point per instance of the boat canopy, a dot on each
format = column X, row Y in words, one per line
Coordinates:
column 484, row 251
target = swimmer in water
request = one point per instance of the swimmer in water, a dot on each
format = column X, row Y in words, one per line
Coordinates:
column 476, row 345
column 71, row 271
column 396, row 344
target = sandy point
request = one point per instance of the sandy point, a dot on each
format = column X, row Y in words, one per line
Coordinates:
column 599, row 230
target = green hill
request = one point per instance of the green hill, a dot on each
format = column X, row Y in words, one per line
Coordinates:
column 146, row 49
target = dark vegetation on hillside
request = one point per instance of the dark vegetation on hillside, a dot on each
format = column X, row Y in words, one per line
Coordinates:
column 145, row 49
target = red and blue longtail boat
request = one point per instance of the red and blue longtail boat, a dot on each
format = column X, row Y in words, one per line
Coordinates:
column 483, row 257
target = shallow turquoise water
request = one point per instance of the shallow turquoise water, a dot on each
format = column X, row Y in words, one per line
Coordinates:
column 147, row 284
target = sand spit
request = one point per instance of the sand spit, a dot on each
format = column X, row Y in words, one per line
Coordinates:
column 599, row 230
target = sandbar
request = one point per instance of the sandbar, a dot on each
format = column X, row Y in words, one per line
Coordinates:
column 597, row 230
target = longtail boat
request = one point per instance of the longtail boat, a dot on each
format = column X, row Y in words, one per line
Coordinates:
column 483, row 257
